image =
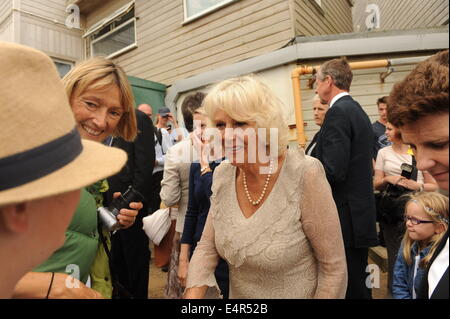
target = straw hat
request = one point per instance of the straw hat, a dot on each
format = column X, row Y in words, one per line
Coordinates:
column 41, row 153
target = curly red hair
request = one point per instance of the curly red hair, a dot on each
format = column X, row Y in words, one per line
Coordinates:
column 423, row 92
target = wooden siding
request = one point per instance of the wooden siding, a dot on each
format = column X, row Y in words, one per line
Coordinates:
column 168, row 50
column 5, row 12
column 43, row 27
column 403, row 15
column 6, row 31
column 51, row 9
column 334, row 17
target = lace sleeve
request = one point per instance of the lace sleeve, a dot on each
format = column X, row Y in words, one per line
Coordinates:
column 204, row 260
column 322, row 227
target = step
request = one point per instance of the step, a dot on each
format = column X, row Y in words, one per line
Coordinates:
column 379, row 256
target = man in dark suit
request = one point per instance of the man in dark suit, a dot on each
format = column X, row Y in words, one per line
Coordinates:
column 344, row 147
column 130, row 247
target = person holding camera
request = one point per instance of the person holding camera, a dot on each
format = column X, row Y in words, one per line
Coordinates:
column 43, row 165
column 393, row 181
column 176, row 132
column 102, row 103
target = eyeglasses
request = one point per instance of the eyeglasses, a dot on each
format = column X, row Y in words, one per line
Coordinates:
column 416, row 221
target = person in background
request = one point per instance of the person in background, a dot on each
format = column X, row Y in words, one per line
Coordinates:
column 320, row 110
column 175, row 186
column 388, row 172
column 130, row 247
column 176, row 132
column 102, row 103
column 163, row 142
column 379, row 127
column 344, row 147
column 418, row 106
column 426, row 218
column 200, row 181
column 279, row 235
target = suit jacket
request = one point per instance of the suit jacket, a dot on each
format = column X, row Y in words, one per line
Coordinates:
column 312, row 145
column 344, row 146
column 141, row 159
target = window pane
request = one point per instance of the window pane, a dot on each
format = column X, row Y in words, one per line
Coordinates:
column 115, row 41
column 63, row 68
column 194, row 7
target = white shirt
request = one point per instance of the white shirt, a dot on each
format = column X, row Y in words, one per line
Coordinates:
column 437, row 269
column 337, row 97
column 161, row 150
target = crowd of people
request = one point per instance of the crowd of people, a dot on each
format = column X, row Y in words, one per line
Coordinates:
column 256, row 217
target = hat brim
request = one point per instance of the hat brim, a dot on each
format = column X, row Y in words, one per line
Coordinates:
column 95, row 162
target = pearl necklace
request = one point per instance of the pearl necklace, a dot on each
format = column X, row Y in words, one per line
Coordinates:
column 264, row 188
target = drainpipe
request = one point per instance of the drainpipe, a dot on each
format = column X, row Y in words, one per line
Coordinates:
column 298, row 72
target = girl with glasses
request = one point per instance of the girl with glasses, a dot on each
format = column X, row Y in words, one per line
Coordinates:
column 426, row 220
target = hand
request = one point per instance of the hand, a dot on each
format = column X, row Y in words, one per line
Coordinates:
column 64, row 287
column 127, row 216
column 409, row 184
column 394, row 179
column 201, row 146
column 182, row 272
column 172, row 119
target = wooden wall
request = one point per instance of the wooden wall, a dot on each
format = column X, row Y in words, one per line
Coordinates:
column 403, row 14
column 43, row 27
column 168, row 50
column 335, row 16
column 6, row 20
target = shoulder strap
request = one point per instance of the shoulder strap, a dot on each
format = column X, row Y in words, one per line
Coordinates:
column 118, row 288
column 415, row 171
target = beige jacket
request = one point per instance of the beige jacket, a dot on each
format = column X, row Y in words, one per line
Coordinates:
column 175, row 182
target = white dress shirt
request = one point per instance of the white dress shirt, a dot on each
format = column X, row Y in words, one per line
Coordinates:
column 337, row 97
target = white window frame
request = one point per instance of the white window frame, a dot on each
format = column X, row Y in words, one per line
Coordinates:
column 108, row 20
column 204, row 12
column 123, row 50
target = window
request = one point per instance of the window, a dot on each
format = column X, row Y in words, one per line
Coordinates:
column 62, row 67
column 113, row 35
column 194, row 9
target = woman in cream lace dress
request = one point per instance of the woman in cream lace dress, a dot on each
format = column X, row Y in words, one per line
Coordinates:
column 272, row 215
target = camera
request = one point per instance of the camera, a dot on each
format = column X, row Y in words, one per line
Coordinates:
column 108, row 215
column 407, row 170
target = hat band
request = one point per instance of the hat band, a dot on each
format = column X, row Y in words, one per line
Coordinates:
column 25, row 167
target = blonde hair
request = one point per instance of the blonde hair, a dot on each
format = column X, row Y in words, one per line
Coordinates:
column 200, row 110
column 435, row 205
column 248, row 99
column 100, row 72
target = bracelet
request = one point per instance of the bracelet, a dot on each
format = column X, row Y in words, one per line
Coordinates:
column 421, row 187
column 50, row 287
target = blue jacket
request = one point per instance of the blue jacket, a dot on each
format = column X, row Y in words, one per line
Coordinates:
column 403, row 277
